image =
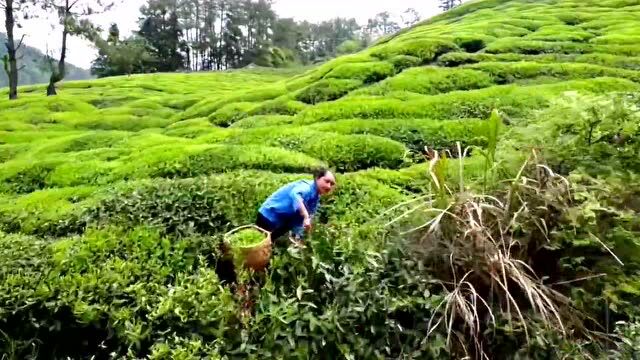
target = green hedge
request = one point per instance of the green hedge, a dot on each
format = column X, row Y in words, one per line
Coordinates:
column 401, row 62
column 222, row 158
column 209, row 106
column 367, row 72
column 534, row 47
column 509, row 72
column 415, row 133
column 217, row 203
column 431, row 81
column 424, row 49
column 343, row 152
column 513, row 100
column 625, row 62
column 263, row 120
column 280, row 106
column 229, row 114
column 327, row 90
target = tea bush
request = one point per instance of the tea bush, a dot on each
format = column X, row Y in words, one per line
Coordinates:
column 509, row 72
column 369, row 72
column 401, row 62
column 424, row 49
column 415, row 133
column 327, row 90
column 231, row 113
column 115, row 196
column 263, row 121
column 280, row 106
column 344, row 153
column 514, row 101
column 431, row 81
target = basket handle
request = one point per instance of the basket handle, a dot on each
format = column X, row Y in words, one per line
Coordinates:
column 246, row 227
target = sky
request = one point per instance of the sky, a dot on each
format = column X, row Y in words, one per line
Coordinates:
column 41, row 33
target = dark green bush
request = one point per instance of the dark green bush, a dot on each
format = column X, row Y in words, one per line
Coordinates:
column 222, row 158
column 512, row 100
column 28, row 176
column 367, row 72
column 503, row 73
column 401, row 62
column 229, row 114
column 280, row 106
column 343, row 152
column 415, row 133
column 263, row 121
column 327, row 90
column 431, row 81
column 426, row 50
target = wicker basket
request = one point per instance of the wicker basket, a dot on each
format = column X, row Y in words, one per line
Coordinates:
column 254, row 257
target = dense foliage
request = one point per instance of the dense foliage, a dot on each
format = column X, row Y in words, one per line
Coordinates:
column 221, row 34
column 487, row 200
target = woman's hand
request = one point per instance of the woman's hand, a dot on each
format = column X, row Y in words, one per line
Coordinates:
column 307, row 223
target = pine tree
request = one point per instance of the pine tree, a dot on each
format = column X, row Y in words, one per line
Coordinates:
column 447, row 5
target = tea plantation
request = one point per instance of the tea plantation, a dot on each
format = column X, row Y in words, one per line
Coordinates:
column 115, row 195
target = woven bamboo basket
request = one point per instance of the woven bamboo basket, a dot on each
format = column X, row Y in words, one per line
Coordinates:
column 254, row 257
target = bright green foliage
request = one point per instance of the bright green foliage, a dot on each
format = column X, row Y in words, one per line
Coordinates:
column 415, row 133
column 134, row 180
column 345, row 153
column 246, row 238
column 431, row 81
column 425, row 50
column 369, row 72
column 263, row 120
column 231, row 113
column 327, row 90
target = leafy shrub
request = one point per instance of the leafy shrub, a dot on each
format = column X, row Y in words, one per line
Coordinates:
column 327, row 90
column 415, row 133
column 401, row 62
column 431, row 81
column 222, row 158
column 424, row 49
column 509, row 72
column 263, row 121
column 51, row 212
column 345, row 153
column 27, row 176
column 368, row 72
column 229, row 114
column 281, row 106
column 456, row 59
column 512, row 100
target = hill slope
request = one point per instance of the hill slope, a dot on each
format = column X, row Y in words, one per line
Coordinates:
column 32, row 73
column 169, row 162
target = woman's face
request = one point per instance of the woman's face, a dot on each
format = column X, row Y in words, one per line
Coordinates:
column 326, row 183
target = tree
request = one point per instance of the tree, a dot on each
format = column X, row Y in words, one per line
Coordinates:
column 349, row 47
column 10, row 61
column 160, row 27
column 71, row 15
column 410, row 17
column 447, row 5
column 385, row 24
column 120, row 57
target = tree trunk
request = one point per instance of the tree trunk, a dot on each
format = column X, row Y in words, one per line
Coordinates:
column 58, row 75
column 219, row 65
column 11, row 67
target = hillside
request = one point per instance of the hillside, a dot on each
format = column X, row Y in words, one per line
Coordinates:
column 33, row 73
column 116, row 194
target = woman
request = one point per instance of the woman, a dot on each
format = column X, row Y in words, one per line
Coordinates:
column 292, row 206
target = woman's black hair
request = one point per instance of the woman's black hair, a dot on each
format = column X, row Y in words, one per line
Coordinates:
column 319, row 172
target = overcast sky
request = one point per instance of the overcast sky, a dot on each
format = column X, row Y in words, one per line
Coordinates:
column 40, row 34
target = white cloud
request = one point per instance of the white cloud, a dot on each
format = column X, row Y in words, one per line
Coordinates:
column 39, row 32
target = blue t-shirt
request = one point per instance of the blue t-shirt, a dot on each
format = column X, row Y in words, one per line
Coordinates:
column 282, row 206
